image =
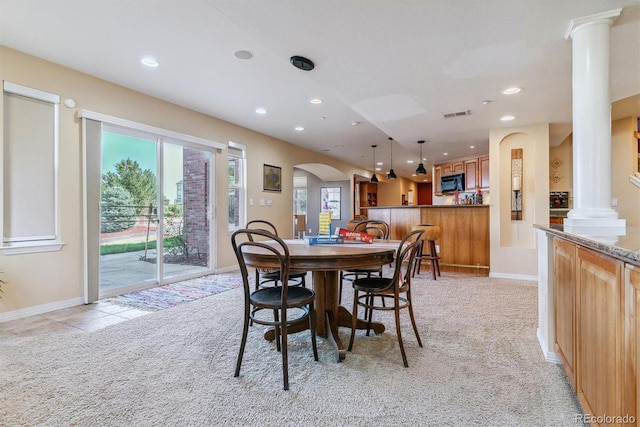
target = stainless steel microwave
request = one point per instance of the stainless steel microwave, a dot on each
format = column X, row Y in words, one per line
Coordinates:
column 451, row 183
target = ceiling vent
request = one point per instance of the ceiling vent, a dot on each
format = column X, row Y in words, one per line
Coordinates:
column 457, row 114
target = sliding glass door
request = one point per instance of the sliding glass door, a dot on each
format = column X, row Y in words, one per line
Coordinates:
column 155, row 210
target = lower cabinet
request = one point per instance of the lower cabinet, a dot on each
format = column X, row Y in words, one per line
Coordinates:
column 599, row 364
column 598, row 330
column 564, row 278
column 632, row 340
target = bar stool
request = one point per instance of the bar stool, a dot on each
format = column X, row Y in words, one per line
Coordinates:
column 430, row 235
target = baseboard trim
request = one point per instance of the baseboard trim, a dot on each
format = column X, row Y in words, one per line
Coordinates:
column 228, row 269
column 513, row 276
column 549, row 356
column 39, row 309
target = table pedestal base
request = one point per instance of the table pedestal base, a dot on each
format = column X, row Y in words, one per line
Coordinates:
column 329, row 314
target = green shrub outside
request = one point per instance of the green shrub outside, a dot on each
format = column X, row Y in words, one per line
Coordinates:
column 118, row 212
column 118, row 248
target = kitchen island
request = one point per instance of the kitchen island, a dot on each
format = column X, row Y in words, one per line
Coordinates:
column 589, row 317
column 464, row 244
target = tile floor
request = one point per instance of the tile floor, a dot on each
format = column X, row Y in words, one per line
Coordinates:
column 82, row 318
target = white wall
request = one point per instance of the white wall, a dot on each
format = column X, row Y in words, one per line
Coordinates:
column 513, row 247
column 57, row 282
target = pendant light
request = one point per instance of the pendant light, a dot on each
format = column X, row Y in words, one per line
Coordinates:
column 421, row 170
column 374, row 178
column 391, row 174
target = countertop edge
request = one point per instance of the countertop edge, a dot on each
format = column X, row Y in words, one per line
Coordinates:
column 622, row 254
column 424, row 206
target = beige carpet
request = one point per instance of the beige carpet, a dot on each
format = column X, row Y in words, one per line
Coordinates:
column 481, row 365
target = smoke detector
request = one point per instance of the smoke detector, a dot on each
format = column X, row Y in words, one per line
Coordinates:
column 302, row 63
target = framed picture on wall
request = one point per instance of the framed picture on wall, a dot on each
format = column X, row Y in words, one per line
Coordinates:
column 271, row 178
column 330, row 201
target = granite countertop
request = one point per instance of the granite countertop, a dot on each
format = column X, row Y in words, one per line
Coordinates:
column 624, row 247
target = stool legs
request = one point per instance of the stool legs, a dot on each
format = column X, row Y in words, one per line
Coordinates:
column 431, row 254
column 435, row 259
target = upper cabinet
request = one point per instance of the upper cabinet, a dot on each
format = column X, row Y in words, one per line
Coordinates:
column 483, row 170
column 471, row 174
column 476, row 173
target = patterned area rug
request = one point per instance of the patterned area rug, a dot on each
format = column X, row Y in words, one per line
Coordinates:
column 167, row 296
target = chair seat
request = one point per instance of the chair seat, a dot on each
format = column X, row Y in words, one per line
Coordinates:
column 365, row 270
column 373, row 284
column 272, row 297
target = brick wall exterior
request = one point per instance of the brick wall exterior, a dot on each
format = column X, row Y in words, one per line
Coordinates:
column 195, row 202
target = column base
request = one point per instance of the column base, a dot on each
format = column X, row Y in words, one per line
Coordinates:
column 604, row 230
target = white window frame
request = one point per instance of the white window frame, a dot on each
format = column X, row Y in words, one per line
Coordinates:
column 239, row 151
column 28, row 243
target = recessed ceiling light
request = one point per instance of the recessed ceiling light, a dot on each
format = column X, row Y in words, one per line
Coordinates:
column 507, row 118
column 445, row 154
column 379, row 163
column 378, row 169
column 150, row 62
column 299, row 128
column 409, row 161
column 355, row 123
column 261, row 110
column 511, row 90
column 485, row 102
column 243, row 54
column 472, row 146
column 315, row 101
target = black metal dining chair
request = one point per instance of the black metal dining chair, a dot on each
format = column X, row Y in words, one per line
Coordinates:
column 283, row 301
column 265, row 276
column 395, row 290
column 378, row 229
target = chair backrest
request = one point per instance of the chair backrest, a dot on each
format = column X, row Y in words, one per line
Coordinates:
column 405, row 257
column 370, row 224
column 261, row 224
column 352, row 224
column 255, row 238
column 376, row 231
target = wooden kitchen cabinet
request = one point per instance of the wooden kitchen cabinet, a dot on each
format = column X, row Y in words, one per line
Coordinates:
column 437, row 174
column 597, row 328
column 564, row 278
column 600, row 368
column 483, row 172
column 452, row 168
column 457, row 167
column 475, row 169
column 631, row 398
column 471, row 174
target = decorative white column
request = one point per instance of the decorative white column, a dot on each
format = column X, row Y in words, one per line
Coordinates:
column 592, row 123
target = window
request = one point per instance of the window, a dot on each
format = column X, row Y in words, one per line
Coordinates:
column 300, row 195
column 236, row 185
column 29, row 178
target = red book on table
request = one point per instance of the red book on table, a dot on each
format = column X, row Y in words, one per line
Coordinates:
column 355, row 236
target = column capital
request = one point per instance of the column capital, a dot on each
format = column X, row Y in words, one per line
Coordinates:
column 602, row 17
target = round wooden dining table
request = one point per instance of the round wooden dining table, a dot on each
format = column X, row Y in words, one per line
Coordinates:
column 325, row 261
